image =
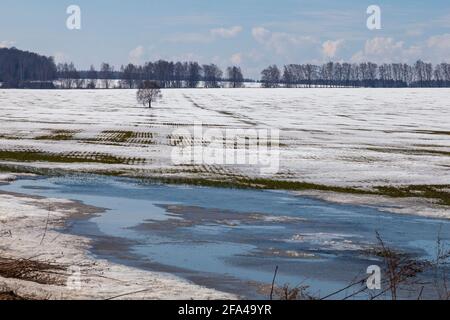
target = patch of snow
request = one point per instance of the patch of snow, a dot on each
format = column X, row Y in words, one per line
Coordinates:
column 346, row 137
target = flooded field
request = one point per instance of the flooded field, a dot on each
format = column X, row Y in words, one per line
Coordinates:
column 232, row 240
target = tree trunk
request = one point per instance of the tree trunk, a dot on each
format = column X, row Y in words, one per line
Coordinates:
column 150, row 104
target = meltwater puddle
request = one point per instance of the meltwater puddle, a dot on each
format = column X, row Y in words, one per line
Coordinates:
column 232, row 240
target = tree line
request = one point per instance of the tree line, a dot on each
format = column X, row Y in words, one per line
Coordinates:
column 367, row 74
column 166, row 73
column 22, row 69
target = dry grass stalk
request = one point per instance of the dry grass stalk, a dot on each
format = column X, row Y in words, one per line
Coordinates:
column 29, row 270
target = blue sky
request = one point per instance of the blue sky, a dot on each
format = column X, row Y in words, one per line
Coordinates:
column 249, row 33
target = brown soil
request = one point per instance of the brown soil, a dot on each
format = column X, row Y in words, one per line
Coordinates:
column 9, row 296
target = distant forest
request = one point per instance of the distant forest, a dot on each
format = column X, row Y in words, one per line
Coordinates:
column 167, row 74
column 367, row 74
column 21, row 69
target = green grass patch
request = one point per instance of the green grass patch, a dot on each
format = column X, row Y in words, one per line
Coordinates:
column 116, row 136
column 7, row 137
column 111, row 137
column 36, row 156
column 436, row 193
column 58, row 135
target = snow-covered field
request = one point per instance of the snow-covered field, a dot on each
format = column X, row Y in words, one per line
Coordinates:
column 344, row 137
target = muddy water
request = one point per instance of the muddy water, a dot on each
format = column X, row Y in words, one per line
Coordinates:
column 232, row 240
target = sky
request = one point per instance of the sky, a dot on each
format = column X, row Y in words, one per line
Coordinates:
column 250, row 33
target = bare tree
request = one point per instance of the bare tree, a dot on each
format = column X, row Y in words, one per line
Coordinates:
column 67, row 74
column 235, row 77
column 149, row 91
column 92, row 76
column 107, row 74
column 194, row 74
column 338, row 74
column 311, row 73
column 79, row 82
column 271, row 77
column 180, row 74
column 289, row 76
column 212, row 75
column 327, row 74
column 129, row 76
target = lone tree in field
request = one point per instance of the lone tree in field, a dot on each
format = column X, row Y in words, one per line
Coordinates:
column 148, row 92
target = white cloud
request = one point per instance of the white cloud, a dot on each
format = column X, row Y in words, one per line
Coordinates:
column 190, row 38
column 226, row 33
column 6, row 44
column 281, row 42
column 236, row 58
column 188, row 56
column 330, row 48
column 382, row 49
column 60, row 57
column 435, row 49
column 136, row 54
column 261, row 34
column 438, row 48
column 198, row 37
